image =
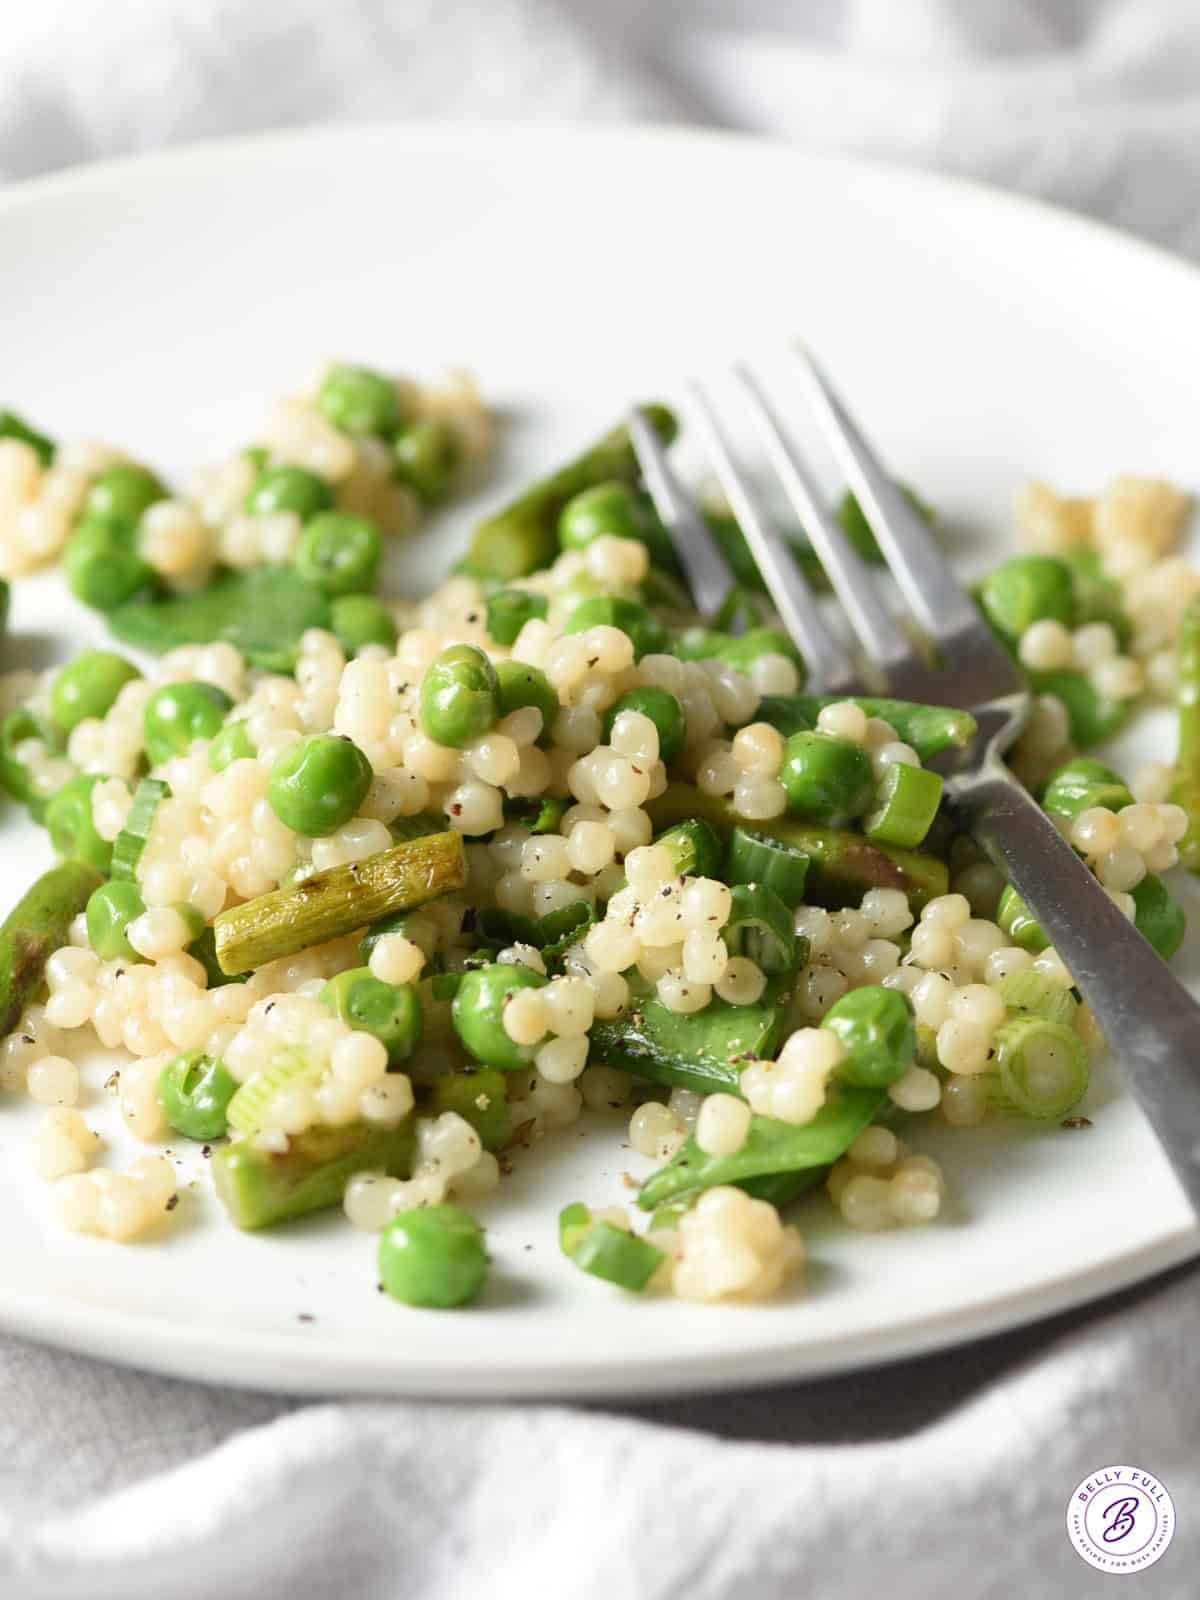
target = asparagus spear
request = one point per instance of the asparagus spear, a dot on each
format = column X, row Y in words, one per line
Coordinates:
column 929, row 729
column 1186, row 791
column 34, row 929
column 258, row 1188
column 524, row 534
column 844, row 865
column 771, row 1147
column 339, row 900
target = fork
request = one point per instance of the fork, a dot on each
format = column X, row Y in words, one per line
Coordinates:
column 1148, row 1018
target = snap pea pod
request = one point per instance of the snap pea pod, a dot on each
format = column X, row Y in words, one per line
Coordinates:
column 258, row 1187
column 701, row 1051
column 523, row 536
column 771, row 1148
column 842, row 865
column 1158, row 916
column 929, row 729
column 335, row 902
column 1186, row 789
column 34, row 929
column 779, row 1188
column 264, row 612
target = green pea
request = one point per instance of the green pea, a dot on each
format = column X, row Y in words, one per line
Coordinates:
column 664, row 711
column 358, row 400
column 508, row 610
column 102, row 567
column 361, row 619
column 110, row 910
column 1026, row 590
column 88, row 686
column 289, row 489
column 232, row 743
column 520, row 685
column 391, row 1011
column 340, row 553
column 318, row 783
column 876, row 1029
column 427, row 457
column 643, row 627
column 119, row 495
column 195, row 1091
column 612, row 510
column 70, row 825
column 433, row 1256
column 478, row 1014
column 826, row 779
column 459, row 695
column 180, row 713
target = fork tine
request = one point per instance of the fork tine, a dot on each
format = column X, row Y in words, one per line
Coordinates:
column 709, row 575
column 929, row 587
column 828, row 662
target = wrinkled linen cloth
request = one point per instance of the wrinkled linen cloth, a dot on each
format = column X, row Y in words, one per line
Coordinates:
column 944, row 1476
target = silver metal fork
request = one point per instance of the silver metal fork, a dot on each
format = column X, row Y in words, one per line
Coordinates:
column 1149, row 1019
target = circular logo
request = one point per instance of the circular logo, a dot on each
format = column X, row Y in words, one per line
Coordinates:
column 1120, row 1519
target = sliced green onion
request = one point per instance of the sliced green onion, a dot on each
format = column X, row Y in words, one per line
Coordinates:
column 757, row 858
column 1036, row 996
column 1019, row 923
column 606, row 1251
column 1041, row 1068
column 760, row 926
column 1081, row 784
column 131, row 841
column 291, row 1068
column 908, row 800
column 694, row 847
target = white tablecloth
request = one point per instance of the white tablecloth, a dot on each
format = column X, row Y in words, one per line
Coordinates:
column 947, row 1476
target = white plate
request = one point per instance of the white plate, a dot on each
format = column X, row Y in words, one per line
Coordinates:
column 158, row 303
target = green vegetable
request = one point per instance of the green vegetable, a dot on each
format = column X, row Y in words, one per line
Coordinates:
column 131, row 841
column 34, row 929
column 1032, row 994
column 459, row 695
column 643, row 627
column 70, row 826
column 180, row 713
column 480, row 1097
column 664, row 711
column 858, row 530
column 284, row 488
column 744, row 650
column 1158, row 916
column 361, row 619
column 264, row 612
column 876, row 1030
column 606, row 510
column 1019, row 923
column 358, row 400
column 1025, row 590
column 906, row 805
column 20, row 725
column 203, row 949
column 760, row 927
column 508, row 610
column 756, row 858
column 928, row 729
column 1093, row 716
column 1041, row 1068
column 536, row 812
column 195, row 1092
column 104, row 570
column 428, row 454
column 391, row 1011
column 258, row 1188
column 232, row 743
column 5, row 602
column 843, row 865
column 826, row 779
column 88, row 686
column 433, row 1256
column 318, row 783
column 110, row 910
column 703, row 1050
column 1185, row 791
column 119, row 495
column 606, row 1251
column 771, row 1148
column 523, row 536
column 1097, row 596
column 339, row 553
column 335, row 902
column 694, row 847
column 14, row 427
column 478, row 1013
column 292, row 1068
column 558, row 930
column 1081, row 784
column 518, row 685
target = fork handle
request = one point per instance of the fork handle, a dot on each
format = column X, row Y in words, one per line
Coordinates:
column 1151, row 1022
